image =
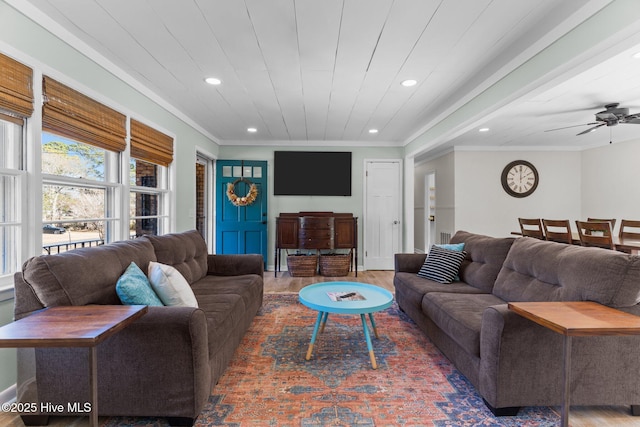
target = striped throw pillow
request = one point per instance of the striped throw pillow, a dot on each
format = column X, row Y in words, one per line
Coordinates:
column 442, row 264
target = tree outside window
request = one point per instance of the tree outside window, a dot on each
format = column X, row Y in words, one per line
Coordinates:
column 74, row 194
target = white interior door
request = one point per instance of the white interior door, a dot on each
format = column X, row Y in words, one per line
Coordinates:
column 383, row 211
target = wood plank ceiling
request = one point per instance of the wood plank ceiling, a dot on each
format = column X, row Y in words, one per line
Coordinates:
column 309, row 71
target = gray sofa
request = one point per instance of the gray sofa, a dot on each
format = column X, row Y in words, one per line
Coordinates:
column 164, row 364
column 513, row 362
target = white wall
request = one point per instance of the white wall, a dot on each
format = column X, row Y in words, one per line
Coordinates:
column 469, row 194
column 278, row 204
column 482, row 205
column 610, row 183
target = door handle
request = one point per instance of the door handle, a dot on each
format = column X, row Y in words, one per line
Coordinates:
column 396, row 222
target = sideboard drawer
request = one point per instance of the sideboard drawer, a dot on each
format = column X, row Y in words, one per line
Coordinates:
column 322, row 233
column 313, row 222
column 311, row 243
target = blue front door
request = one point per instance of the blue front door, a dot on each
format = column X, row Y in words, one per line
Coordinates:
column 241, row 227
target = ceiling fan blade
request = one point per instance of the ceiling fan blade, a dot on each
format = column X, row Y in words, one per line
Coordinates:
column 568, row 127
column 590, row 129
column 633, row 119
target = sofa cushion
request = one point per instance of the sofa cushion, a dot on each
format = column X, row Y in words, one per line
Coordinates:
column 186, row 251
column 537, row 270
column 227, row 303
column 84, row 276
column 422, row 286
column 170, row 286
column 441, row 265
column 459, row 316
column 133, row 288
column 484, row 259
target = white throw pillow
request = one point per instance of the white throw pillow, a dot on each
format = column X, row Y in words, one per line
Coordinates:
column 171, row 286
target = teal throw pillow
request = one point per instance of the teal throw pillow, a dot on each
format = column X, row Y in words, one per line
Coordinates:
column 458, row 247
column 133, row 288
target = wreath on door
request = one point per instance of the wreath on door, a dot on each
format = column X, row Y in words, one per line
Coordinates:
column 246, row 200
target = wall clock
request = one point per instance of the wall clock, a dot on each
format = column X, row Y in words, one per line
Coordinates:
column 519, row 178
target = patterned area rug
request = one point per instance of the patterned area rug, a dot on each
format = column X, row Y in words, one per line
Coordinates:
column 269, row 382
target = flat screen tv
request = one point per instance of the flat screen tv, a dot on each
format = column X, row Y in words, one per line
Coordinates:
column 312, row 173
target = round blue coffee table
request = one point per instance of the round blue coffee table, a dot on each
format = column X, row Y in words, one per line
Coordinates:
column 335, row 297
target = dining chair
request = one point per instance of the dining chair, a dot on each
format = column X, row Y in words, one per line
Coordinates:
column 611, row 221
column 531, row 227
column 557, row 230
column 595, row 233
column 629, row 229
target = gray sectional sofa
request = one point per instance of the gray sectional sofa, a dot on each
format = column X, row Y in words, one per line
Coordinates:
column 164, row 364
column 511, row 361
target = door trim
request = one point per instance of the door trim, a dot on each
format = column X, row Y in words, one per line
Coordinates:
column 210, row 208
column 364, row 205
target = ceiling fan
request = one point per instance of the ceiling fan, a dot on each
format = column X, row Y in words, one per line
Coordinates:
column 610, row 116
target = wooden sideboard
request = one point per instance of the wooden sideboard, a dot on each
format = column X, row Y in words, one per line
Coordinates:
column 317, row 230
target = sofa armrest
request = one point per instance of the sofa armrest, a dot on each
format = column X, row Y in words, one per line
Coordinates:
column 516, row 351
column 25, row 300
column 235, row 265
column 409, row 263
column 164, row 353
column 512, row 350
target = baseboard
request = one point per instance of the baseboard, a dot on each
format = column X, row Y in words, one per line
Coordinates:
column 9, row 395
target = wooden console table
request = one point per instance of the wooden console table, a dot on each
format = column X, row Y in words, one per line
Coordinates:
column 576, row 319
column 71, row 326
column 316, row 230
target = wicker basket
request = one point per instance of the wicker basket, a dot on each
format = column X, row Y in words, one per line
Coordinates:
column 335, row 264
column 302, row 265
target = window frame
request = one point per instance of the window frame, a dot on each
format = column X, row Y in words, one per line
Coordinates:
column 18, row 224
column 111, row 186
column 163, row 193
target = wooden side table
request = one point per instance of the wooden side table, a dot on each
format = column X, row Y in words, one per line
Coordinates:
column 72, row 326
column 577, row 319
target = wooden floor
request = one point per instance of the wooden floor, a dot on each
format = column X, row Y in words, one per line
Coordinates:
column 579, row 416
column 286, row 283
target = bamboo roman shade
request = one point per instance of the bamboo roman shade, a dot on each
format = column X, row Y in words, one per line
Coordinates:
column 150, row 145
column 16, row 87
column 69, row 113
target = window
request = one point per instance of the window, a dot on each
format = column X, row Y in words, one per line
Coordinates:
column 147, row 204
column 16, row 106
column 12, row 179
column 151, row 153
column 78, row 194
column 81, row 144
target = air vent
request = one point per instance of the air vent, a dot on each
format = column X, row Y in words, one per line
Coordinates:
column 445, row 237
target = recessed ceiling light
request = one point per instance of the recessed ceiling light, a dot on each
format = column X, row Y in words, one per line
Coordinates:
column 636, row 55
column 252, row 130
column 409, row 83
column 213, row 81
column 373, row 130
column 483, row 130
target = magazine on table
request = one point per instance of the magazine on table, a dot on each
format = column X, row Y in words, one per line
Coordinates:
column 346, row 296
